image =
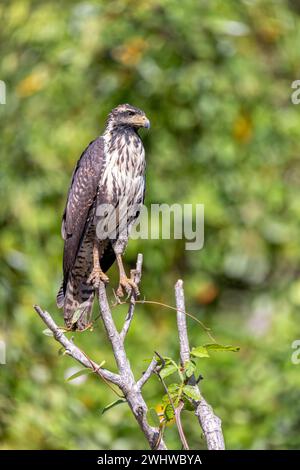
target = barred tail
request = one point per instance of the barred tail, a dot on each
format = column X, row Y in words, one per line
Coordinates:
column 77, row 302
column 76, row 295
column 60, row 298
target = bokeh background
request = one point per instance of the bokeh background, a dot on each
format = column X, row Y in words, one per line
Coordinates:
column 215, row 80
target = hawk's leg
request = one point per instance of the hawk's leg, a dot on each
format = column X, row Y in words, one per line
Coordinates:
column 125, row 283
column 97, row 274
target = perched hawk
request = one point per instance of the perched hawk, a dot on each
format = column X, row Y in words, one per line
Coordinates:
column 110, row 173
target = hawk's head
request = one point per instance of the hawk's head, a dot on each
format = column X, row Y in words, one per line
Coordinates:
column 128, row 116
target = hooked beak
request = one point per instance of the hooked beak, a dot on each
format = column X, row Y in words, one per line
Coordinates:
column 142, row 121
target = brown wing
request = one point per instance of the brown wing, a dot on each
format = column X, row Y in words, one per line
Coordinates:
column 81, row 201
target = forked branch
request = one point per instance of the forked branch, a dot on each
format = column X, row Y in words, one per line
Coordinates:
column 131, row 389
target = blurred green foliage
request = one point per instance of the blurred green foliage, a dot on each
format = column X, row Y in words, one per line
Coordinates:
column 215, row 80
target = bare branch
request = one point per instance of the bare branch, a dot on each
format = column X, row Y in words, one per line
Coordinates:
column 74, row 351
column 137, row 274
column 147, row 374
column 179, row 425
column 124, row 380
column 113, row 335
column 129, row 387
column 181, row 323
column 210, row 423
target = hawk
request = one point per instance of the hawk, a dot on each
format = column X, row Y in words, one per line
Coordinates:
column 111, row 170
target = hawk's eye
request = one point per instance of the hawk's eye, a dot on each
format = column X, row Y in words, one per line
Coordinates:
column 130, row 113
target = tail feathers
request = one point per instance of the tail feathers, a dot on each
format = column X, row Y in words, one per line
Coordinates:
column 77, row 303
column 60, row 298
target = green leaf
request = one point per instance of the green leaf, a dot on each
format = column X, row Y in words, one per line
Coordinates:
column 192, row 391
column 166, row 361
column 169, row 412
column 153, row 418
column 47, row 332
column 200, row 351
column 165, row 399
column 189, row 368
column 76, row 315
column 187, row 404
column 173, row 388
column 112, row 405
column 84, row 371
column 168, row 370
column 221, row 347
column 62, row 351
column 79, row 373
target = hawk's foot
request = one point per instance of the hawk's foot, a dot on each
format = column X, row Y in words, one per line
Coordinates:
column 128, row 285
column 96, row 276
